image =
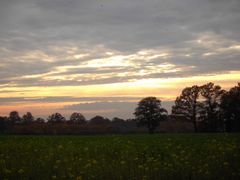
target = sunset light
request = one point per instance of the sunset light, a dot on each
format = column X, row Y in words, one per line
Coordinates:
column 107, row 54
column 119, row 89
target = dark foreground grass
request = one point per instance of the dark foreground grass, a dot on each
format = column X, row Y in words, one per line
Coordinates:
column 160, row 156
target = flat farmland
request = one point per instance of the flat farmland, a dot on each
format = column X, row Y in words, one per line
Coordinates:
column 158, row 156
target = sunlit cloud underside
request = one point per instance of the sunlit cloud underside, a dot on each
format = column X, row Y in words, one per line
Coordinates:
column 125, row 93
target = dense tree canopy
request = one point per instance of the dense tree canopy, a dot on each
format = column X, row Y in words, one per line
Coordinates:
column 56, row 117
column 77, row 118
column 210, row 115
column 99, row 120
column 28, row 117
column 14, row 117
column 230, row 106
column 40, row 120
column 149, row 112
column 2, row 124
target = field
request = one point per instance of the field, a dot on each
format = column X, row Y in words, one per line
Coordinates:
column 159, row 156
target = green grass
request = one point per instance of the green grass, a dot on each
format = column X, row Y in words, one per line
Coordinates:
column 159, row 156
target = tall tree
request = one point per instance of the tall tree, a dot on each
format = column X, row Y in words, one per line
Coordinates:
column 211, row 95
column 230, row 106
column 149, row 112
column 187, row 104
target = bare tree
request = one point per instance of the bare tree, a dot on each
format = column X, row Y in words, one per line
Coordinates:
column 187, row 104
column 211, row 95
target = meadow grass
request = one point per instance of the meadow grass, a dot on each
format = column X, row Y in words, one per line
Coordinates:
column 159, row 156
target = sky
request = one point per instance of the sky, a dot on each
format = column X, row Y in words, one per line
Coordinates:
column 101, row 57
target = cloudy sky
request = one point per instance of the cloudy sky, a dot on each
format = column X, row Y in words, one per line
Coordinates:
column 102, row 56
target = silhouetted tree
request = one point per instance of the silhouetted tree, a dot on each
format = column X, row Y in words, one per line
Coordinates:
column 77, row 118
column 149, row 112
column 230, row 106
column 187, row 105
column 99, row 120
column 56, row 117
column 40, row 120
column 117, row 120
column 210, row 114
column 14, row 117
column 2, row 124
column 28, row 118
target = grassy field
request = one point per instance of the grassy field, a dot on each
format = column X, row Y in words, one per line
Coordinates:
column 159, row 156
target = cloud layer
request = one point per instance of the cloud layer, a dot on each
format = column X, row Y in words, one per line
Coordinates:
column 62, row 43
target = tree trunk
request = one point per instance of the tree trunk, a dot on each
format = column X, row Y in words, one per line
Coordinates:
column 195, row 125
column 150, row 130
column 194, row 117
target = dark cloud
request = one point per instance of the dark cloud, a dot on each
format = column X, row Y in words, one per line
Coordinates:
column 7, row 100
column 54, row 31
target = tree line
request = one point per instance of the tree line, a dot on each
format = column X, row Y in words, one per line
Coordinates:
column 208, row 107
